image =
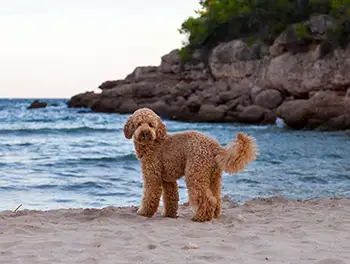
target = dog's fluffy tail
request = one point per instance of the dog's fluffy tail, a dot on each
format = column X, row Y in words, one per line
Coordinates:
column 237, row 154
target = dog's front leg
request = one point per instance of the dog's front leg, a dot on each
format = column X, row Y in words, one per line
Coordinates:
column 152, row 191
column 170, row 199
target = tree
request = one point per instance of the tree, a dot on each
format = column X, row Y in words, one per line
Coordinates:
column 262, row 20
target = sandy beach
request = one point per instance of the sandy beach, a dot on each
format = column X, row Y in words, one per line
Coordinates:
column 270, row 230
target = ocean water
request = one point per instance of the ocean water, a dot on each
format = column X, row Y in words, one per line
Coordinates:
column 62, row 158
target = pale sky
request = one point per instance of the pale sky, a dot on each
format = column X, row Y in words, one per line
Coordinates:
column 58, row 48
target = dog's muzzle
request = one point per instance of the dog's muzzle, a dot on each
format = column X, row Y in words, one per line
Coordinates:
column 145, row 135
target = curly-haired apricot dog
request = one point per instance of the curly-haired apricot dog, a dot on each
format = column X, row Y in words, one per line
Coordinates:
column 166, row 158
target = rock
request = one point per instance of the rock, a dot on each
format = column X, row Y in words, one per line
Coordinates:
column 184, row 89
column 194, row 72
column 347, row 101
column 190, row 246
column 235, row 51
column 37, row 104
column 268, row 98
column 324, row 110
column 300, row 74
column 341, row 122
column 255, row 90
column 194, row 103
column 320, row 27
column 171, row 62
column 235, row 60
column 287, row 41
column 315, row 30
column 84, row 100
column 109, row 85
column 295, row 113
column 210, row 113
column 326, row 105
column 314, row 123
column 300, row 79
column 151, row 246
column 270, row 117
column 106, row 105
column 128, row 106
column 252, row 114
column 143, row 73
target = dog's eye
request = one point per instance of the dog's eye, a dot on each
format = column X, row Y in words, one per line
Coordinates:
column 150, row 125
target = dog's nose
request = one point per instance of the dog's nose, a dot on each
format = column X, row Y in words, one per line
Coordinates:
column 144, row 134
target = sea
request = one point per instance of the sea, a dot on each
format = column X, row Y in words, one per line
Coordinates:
column 58, row 157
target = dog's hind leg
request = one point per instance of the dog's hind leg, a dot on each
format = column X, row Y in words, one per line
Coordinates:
column 215, row 187
column 200, row 195
column 170, row 199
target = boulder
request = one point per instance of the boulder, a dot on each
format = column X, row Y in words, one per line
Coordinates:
column 143, row 73
column 298, row 37
column 255, row 114
column 194, row 103
column 295, row 113
column 211, row 113
column 269, row 98
column 300, row 74
column 341, row 122
column 235, row 60
column 37, row 104
column 171, row 63
column 326, row 105
column 325, row 109
column 109, row 85
column 236, row 51
column 84, row 100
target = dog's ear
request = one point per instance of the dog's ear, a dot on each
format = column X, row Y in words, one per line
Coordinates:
column 129, row 128
column 161, row 130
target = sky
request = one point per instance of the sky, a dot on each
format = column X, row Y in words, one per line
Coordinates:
column 58, row 48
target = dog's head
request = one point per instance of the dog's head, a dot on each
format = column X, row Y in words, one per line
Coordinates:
column 145, row 126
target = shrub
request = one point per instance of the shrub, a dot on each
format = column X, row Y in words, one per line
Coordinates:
column 223, row 20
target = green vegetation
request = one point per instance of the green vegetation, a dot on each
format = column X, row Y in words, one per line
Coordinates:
column 264, row 20
column 251, row 40
column 301, row 31
column 185, row 53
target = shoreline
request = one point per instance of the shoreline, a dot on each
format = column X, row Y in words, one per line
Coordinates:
column 225, row 199
column 273, row 230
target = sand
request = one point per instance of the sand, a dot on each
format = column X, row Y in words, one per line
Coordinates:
column 272, row 230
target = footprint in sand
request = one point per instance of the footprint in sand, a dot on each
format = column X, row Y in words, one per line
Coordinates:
column 331, row 261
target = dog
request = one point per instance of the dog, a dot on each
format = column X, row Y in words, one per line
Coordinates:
column 165, row 158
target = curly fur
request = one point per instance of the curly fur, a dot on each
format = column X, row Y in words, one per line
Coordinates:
column 165, row 158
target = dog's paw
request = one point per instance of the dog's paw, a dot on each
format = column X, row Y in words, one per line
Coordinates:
column 169, row 214
column 217, row 213
column 142, row 212
column 197, row 218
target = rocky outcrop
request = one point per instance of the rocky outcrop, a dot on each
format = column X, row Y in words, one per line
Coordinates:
column 37, row 104
column 302, row 81
column 84, row 100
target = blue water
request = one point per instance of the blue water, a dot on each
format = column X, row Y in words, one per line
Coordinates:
column 60, row 158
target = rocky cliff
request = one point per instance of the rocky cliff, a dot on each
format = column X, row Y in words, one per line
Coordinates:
column 304, row 81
